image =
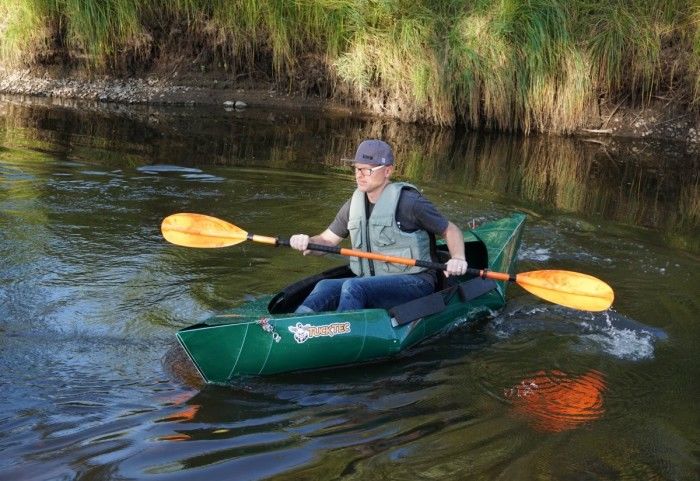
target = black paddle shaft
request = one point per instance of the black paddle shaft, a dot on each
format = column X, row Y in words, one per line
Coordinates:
column 419, row 263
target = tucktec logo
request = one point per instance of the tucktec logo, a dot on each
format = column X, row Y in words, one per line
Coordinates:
column 304, row 332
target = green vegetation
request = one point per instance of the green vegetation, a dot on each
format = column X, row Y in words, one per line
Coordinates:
column 502, row 64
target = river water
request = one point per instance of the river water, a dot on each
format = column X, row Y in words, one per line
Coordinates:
column 94, row 386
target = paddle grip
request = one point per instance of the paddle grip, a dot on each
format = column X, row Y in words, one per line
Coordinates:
column 431, row 265
column 470, row 270
column 322, row 248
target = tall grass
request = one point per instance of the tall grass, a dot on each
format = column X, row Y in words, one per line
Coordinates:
column 25, row 28
column 695, row 52
column 501, row 64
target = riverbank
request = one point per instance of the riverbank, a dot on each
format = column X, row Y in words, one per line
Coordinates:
column 559, row 67
column 165, row 90
column 661, row 119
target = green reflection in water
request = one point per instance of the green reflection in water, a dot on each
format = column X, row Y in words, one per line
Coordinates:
column 643, row 184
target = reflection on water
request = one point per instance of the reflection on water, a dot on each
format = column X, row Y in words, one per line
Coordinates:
column 555, row 401
column 639, row 183
column 91, row 295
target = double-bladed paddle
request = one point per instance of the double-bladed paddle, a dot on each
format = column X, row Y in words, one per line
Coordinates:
column 566, row 288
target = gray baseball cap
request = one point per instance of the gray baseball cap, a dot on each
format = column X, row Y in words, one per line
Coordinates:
column 373, row 152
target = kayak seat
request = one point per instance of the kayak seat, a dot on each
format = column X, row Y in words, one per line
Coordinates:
column 287, row 300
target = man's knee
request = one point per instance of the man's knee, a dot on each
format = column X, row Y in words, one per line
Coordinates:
column 321, row 285
column 352, row 287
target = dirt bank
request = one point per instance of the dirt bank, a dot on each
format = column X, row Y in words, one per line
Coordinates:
column 661, row 119
column 170, row 90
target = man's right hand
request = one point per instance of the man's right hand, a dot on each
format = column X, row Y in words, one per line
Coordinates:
column 300, row 242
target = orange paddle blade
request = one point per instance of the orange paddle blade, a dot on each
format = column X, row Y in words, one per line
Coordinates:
column 566, row 288
column 198, row 230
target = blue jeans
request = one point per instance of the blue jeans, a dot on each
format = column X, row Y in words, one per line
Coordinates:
column 353, row 293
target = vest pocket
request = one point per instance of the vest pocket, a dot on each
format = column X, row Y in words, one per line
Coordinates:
column 383, row 231
column 355, row 229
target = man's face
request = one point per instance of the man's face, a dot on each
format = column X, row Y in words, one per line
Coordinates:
column 371, row 177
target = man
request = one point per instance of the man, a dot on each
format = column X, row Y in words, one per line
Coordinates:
column 388, row 218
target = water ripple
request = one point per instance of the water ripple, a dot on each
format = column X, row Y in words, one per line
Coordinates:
column 605, row 332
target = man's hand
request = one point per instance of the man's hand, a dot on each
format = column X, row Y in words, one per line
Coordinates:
column 454, row 238
column 456, row 267
column 300, row 242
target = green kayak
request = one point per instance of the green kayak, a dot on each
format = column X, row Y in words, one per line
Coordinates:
column 264, row 336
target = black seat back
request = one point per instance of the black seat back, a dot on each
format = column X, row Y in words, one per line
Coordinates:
column 477, row 257
column 287, row 300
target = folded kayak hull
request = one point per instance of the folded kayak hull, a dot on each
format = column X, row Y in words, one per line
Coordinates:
column 251, row 341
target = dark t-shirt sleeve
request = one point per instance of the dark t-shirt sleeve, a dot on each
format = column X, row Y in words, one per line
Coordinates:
column 339, row 226
column 417, row 212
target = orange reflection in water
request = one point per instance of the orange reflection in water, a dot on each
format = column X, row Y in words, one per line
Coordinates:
column 186, row 414
column 175, row 437
column 555, row 401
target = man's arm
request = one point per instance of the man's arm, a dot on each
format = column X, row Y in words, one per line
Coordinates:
column 428, row 218
column 327, row 238
column 457, row 265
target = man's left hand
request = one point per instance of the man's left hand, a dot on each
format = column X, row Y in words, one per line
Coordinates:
column 456, row 267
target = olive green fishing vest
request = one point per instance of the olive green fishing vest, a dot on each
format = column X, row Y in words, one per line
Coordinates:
column 382, row 235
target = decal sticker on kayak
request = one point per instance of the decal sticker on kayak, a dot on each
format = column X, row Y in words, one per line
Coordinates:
column 267, row 327
column 303, row 332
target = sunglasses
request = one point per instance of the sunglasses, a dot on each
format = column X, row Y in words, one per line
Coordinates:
column 366, row 171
